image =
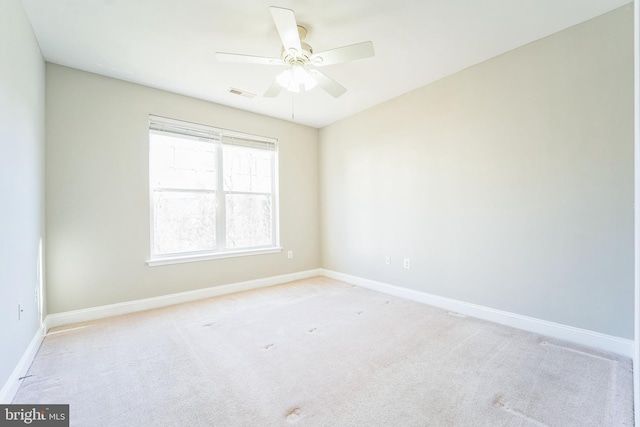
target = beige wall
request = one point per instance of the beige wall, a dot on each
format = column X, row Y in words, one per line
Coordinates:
column 97, row 193
column 509, row 184
column 21, row 182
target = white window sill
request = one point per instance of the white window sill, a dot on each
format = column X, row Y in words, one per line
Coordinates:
column 205, row 257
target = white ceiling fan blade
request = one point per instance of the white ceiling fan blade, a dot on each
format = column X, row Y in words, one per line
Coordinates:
column 285, row 21
column 247, row 59
column 274, row 90
column 343, row 54
column 329, row 85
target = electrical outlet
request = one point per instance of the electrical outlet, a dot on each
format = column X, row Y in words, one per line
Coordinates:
column 290, row 254
column 407, row 263
column 387, row 261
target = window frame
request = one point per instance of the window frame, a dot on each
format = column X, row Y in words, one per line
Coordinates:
column 220, row 137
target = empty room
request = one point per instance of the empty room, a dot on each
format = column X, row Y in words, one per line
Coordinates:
column 412, row 213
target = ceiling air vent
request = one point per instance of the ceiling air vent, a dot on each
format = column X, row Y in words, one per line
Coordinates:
column 235, row 91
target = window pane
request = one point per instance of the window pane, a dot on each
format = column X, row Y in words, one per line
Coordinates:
column 248, row 220
column 182, row 163
column 212, row 190
column 247, row 169
column 183, row 221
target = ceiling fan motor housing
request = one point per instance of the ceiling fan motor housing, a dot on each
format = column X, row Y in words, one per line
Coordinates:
column 293, row 57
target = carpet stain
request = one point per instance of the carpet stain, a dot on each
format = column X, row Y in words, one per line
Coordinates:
column 500, row 402
column 504, row 405
column 585, row 352
column 293, row 414
column 268, row 346
column 312, row 330
column 359, row 312
column 453, row 313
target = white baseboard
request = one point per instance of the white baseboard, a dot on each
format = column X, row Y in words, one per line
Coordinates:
column 579, row 336
column 10, row 388
column 59, row 319
column 572, row 334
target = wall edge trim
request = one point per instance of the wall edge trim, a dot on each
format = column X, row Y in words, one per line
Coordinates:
column 585, row 337
column 93, row 313
column 11, row 386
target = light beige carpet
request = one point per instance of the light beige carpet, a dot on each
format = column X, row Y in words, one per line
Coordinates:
column 320, row 352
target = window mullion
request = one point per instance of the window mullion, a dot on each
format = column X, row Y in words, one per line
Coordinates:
column 221, row 202
column 250, row 193
column 275, row 221
column 183, row 190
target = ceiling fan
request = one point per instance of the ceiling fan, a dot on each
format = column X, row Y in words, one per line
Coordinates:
column 298, row 57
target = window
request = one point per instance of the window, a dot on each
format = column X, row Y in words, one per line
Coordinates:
column 212, row 192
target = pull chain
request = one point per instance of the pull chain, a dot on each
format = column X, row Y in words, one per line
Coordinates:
column 292, row 115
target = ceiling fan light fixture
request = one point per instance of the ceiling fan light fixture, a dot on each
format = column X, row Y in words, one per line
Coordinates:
column 296, row 78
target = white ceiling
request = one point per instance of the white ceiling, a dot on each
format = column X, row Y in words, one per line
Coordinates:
column 170, row 44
